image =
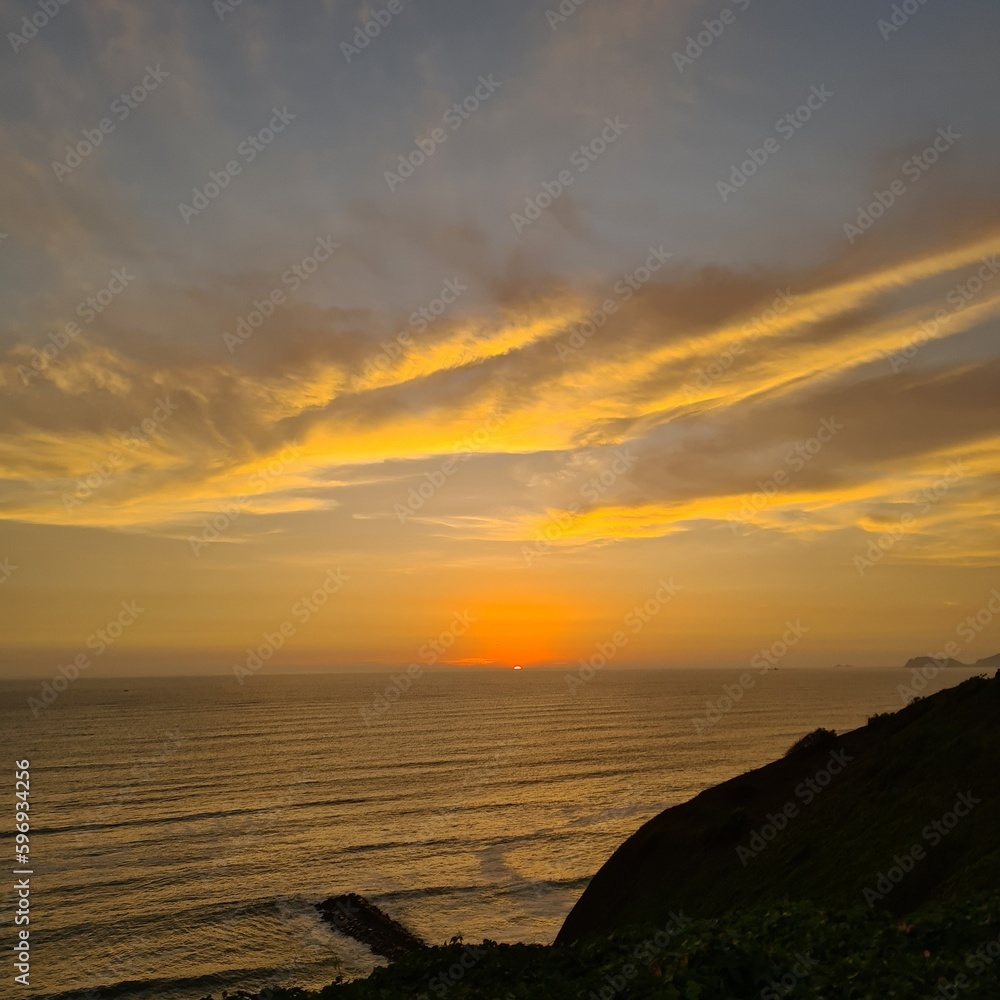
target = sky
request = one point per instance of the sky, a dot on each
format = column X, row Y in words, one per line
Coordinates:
column 656, row 331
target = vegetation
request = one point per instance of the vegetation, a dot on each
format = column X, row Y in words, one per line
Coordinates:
column 792, row 951
column 818, row 739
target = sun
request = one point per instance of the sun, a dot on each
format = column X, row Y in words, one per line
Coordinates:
column 518, row 667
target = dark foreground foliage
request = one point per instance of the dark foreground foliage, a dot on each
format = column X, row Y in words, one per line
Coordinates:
column 793, row 951
column 818, row 739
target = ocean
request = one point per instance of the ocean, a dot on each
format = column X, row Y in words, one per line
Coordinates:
column 183, row 828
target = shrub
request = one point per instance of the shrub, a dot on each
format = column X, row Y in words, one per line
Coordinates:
column 818, row 739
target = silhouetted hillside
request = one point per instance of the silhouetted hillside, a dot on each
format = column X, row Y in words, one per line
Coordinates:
column 828, row 824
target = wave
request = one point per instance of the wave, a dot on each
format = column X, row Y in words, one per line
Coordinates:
column 477, row 890
column 253, row 978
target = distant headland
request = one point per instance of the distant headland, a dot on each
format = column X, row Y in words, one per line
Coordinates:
column 920, row 662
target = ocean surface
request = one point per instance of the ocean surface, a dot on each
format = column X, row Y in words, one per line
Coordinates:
column 183, row 828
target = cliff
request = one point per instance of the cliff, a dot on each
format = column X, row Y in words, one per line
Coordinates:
column 832, row 824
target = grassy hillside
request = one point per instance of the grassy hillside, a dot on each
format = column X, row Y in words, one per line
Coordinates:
column 826, row 825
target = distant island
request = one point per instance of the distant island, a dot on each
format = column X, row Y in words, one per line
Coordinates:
column 920, row 662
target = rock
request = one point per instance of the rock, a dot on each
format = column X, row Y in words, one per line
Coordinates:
column 356, row 917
